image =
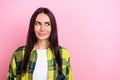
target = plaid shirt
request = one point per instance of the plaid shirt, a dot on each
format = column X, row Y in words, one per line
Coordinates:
column 15, row 65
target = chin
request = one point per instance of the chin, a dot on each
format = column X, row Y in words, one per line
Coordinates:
column 42, row 38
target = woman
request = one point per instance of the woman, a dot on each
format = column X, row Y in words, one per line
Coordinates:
column 42, row 58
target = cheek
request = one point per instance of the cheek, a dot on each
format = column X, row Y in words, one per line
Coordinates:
column 36, row 28
column 50, row 31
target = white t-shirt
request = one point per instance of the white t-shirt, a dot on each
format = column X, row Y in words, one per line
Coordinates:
column 41, row 67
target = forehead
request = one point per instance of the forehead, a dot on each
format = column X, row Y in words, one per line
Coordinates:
column 42, row 17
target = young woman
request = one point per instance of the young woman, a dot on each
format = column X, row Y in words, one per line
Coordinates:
column 41, row 58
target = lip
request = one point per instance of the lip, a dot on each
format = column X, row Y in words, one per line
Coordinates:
column 41, row 34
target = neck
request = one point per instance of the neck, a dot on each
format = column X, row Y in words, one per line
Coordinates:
column 42, row 44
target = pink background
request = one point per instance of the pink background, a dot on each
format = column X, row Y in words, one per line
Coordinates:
column 89, row 29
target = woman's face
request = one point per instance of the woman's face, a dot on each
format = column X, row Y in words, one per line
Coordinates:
column 42, row 27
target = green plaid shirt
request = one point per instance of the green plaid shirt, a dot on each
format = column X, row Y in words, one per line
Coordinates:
column 15, row 65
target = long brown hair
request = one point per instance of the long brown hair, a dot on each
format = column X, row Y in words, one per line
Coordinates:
column 31, row 39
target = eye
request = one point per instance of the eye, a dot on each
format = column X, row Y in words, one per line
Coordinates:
column 47, row 23
column 37, row 23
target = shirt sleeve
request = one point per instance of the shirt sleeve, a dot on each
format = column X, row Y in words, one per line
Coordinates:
column 68, row 69
column 11, row 75
column 69, row 76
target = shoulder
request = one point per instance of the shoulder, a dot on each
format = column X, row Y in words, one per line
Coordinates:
column 21, row 48
column 18, row 54
column 64, row 52
column 19, row 51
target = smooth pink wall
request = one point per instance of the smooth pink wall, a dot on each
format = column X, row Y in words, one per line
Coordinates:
column 89, row 29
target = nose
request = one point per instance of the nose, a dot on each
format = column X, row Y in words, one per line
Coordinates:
column 42, row 28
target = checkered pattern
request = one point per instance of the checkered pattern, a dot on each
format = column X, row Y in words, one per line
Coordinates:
column 15, row 65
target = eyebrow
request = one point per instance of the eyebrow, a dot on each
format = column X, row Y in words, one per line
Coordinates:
column 45, row 22
column 38, row 21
